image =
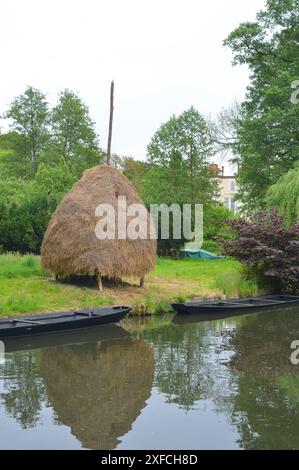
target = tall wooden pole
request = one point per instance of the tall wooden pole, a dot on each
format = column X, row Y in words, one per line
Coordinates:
column 110, row 123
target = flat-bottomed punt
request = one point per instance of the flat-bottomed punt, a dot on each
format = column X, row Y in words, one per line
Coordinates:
column 251, row 304
column 61, row 322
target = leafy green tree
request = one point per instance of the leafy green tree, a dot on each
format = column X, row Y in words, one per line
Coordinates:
column 178, row 155
column 15, row 223
column 284, row 195
column 40, row 135
column 54, row 181
column 27, row 206
column 134, row 171
column 215, row 222
column 267, row 137
column 5, row 155
column 29, row 121
column 178, row 168
column 73, row 134
column 40, row 159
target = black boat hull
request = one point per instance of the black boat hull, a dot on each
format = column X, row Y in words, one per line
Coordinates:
column 234, row 307
column 68, row 321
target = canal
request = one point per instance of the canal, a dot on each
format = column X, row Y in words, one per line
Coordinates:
column 157, row 383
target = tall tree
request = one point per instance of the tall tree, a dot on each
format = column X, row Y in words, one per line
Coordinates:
column 284, row 195
column 134, row 171
column 74, row 137
column 267, row 141
column 179, row 155
column 29, row 119
column 224, row 129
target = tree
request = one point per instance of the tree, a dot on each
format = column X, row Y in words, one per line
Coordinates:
column 29, row 116
column 134, row 171
column 268, row 249
column 15, row 222
column 267, row 142
column 178, row 156
column 284, row 195
column 27, row 206
column 74, row 137
column 214, row 223
column 178, row 168
column 224, row 129
column 39, row 135
column 53, row 182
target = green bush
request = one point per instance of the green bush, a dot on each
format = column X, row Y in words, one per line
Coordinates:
column 26, row 207
column 211, row 245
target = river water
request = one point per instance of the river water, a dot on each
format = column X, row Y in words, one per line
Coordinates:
column 163, row 383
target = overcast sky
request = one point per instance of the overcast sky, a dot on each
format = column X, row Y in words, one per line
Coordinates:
column 164, row 56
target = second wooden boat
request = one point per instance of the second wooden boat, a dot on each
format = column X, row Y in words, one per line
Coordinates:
column 250, row 304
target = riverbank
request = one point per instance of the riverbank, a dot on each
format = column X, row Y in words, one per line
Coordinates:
column 26, row 288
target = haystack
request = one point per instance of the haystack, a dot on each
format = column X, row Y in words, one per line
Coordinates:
column 70, row 244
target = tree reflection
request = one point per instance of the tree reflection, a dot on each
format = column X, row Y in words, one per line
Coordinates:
column 265, row 410
column 242, row 365
column 23, row 391
column 187, row 360
column 98, row 389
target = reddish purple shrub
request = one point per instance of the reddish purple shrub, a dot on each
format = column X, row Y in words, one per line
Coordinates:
column 269, row 250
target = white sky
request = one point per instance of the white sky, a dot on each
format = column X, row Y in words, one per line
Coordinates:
column 164, row 56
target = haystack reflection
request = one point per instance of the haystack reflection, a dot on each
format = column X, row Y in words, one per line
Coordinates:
column 98, row 389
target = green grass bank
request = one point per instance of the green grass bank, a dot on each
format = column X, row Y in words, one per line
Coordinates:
column 26, row 288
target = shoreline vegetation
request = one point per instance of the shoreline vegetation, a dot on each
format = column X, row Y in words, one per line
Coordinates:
column 25, row 288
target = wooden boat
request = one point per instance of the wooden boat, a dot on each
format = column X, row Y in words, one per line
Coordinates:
column 61, row 322
column 251, row 304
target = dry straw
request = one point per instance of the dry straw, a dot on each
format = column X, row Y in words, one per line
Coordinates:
column 70, row 245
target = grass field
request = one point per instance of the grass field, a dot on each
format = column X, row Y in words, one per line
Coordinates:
column 25, row 288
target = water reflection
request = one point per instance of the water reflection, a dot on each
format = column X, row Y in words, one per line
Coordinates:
column 22, row 392
column 223, row 383
column 98, row 390
column 261, row 394
column 97, row 382
column 190, row 361
column 266, row 408
column 262, row 343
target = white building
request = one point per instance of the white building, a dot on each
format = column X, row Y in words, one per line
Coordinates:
column 227, row 189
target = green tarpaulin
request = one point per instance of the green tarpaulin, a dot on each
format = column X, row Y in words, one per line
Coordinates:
column 196, row 253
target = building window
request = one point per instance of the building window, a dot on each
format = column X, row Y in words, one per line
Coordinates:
column 230, row 204
column 233, row 186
